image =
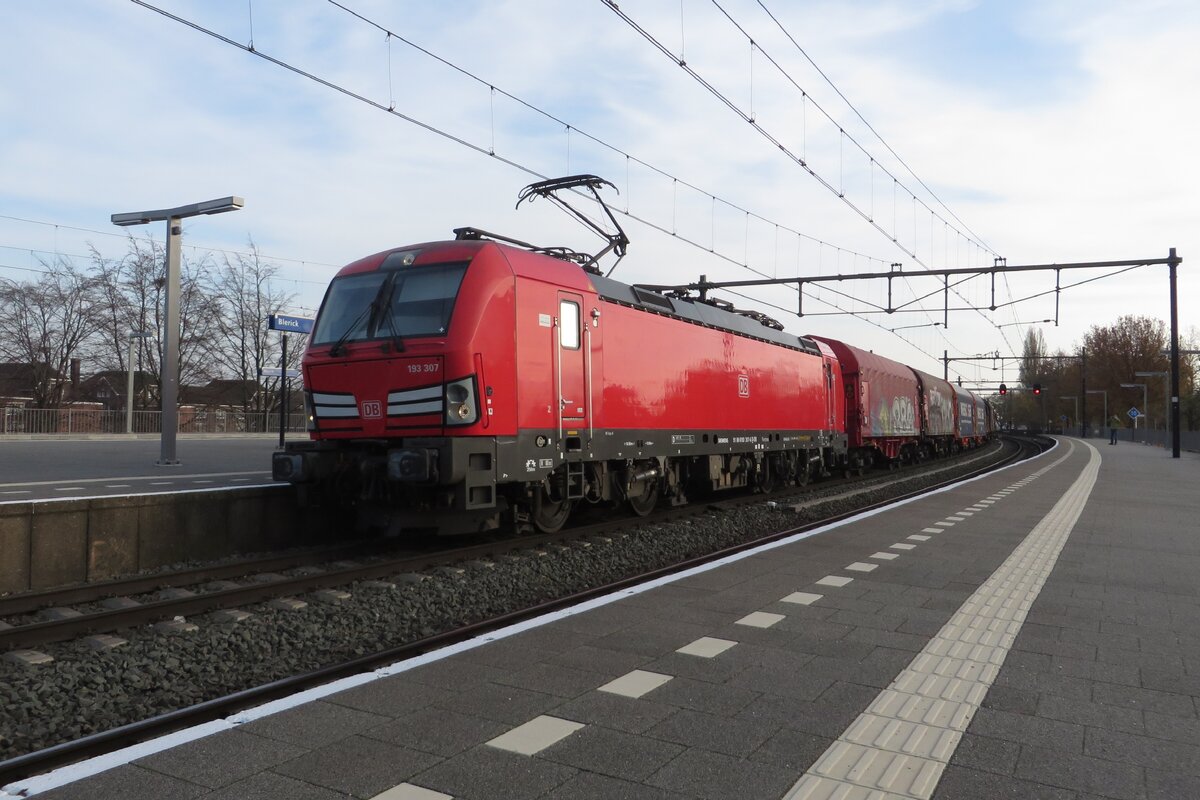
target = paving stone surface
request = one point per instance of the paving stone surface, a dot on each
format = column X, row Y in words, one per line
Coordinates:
column 1098, row 696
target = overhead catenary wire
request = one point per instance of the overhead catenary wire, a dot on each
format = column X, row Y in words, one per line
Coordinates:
column 868, row 125
column 783, row 148
column 148, row 239
column 569, row 127
column 484, row 150
column 803, row 163
column 783, row 29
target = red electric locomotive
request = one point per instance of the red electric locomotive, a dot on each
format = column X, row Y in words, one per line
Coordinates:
column 469, row 384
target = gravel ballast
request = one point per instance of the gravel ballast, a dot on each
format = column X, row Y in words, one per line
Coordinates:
column 86, row 691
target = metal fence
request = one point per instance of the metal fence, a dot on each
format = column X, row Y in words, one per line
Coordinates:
column 17, row 419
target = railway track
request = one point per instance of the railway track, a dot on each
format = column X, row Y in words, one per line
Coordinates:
column 52, row 616
column 209, row 588
column 41, row 760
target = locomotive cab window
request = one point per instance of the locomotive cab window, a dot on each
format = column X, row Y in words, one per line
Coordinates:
column 390, row 303
column 568, row 324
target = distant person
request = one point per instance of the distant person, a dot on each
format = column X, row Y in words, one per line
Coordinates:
column 1114, row 425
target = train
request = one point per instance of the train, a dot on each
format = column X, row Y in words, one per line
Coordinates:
column 482, row 383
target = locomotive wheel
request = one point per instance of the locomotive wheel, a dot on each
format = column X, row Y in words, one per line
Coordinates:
column 549, row 515
column 643, row 503
column 803, row 475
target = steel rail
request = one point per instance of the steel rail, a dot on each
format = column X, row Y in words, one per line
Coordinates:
column 95, row 591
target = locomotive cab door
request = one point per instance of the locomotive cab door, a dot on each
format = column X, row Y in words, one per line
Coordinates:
column 572, row 362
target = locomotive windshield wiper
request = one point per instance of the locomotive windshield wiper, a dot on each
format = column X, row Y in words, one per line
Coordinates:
column 385, row 308
column 345, row 337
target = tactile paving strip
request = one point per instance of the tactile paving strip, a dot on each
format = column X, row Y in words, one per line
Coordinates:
column 900, row 745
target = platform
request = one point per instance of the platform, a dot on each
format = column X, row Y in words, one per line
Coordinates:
column 1031, row 634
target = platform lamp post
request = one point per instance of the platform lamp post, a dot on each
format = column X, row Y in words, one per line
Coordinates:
column 170, row 371
column 1105, row 393
column 133, row 337
column 1166, row 376
column 1141, row 386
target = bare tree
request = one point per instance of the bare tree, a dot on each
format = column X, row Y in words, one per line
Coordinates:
column 248, row 295
column 47, row 322
column 131, row 297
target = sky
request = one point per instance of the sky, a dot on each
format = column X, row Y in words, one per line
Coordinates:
column 1047, row 131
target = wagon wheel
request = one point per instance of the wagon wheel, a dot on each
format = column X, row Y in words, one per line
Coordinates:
column 643, row 502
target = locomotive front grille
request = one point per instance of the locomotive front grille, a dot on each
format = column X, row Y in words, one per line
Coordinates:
column 330, row 405
column 407, row 402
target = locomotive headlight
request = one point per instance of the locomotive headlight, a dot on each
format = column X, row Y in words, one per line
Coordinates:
column 310, row 417
column 460, row 402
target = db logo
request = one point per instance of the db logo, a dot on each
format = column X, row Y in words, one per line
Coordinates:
column 372, row 409
column 743, row 385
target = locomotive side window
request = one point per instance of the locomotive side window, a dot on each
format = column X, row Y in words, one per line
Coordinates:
column 568, row 324
column 411, row 301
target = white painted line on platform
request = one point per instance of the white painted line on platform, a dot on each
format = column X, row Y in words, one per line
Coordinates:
column 409, row 791
column 802, row 598
column 161, row 483
column 706, row 647
column 933, row 530
column 263, row 473
column 902, row 743
column 944, row 524
column 760, row 619
column 201, row 481
column 68, row 488
column 862, row 566
column 536, row 735
column 956, row 518
column 917, row 537
column 834, row 580
column 157, row 493
column 965, row 513
column 116, row 486
column 635, row 684
column 18, row 491
column 885, row 556
column 62, row 776
column 903, row 546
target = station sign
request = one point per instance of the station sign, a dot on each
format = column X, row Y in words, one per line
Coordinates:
column 289, row 324
column 276, row 372
column 1133, row 413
